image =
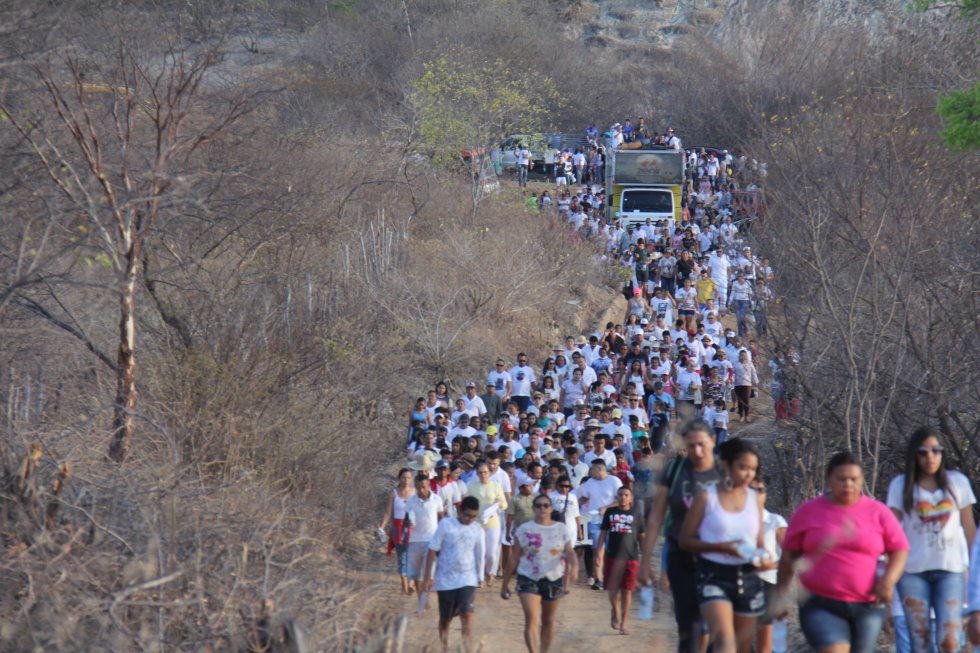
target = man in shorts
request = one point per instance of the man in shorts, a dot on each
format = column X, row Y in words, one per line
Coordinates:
column 427, row 509
column 618, row 554
column 459, row 544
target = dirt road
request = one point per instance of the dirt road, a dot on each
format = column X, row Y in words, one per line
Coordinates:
column 583, row 623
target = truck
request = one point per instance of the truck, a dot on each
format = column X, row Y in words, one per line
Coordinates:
column 643, row 184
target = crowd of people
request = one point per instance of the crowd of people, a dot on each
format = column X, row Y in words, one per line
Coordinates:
column 590, row 454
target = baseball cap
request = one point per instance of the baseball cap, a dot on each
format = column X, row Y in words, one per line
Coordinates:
column 616, row 413
column 442, row 463
column 491, row 430
column 509, row 427
column 470, row 384
column 592, row 422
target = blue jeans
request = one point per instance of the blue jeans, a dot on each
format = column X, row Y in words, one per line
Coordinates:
column 522, row 175
column 825, row 622
column 902, row 643
column 741, row 307
column 937, row 590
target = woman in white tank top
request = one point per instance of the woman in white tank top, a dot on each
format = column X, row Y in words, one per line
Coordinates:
column 724, row 528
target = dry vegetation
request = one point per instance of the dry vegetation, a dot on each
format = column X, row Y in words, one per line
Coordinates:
column 301, row 272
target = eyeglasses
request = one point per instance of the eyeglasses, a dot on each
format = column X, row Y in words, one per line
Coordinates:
column 541, row 506
column 925, row 451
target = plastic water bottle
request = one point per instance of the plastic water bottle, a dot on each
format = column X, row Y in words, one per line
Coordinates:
column 382, row 536
column 645, row 609
column 780, row 636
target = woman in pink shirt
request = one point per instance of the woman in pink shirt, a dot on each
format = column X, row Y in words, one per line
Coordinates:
column 842, row 534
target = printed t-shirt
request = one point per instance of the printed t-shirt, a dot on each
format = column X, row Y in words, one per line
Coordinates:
column 542, row 548
column 622, row 528
column 842, row 544
column 934, row 529
column 461, row 551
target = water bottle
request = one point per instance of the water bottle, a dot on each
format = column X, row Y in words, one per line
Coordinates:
column 780, row 636
column 645, row 609
column 382, row 536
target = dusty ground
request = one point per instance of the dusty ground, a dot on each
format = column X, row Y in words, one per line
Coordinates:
column 583, row 621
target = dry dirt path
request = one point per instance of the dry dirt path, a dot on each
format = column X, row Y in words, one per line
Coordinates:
column 583, row 622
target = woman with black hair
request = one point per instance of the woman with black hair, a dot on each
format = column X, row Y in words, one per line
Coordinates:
column 934, row 506
column 842, row 534
column 724, row 528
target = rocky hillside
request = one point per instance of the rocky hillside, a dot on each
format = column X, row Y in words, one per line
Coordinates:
column 651, row 25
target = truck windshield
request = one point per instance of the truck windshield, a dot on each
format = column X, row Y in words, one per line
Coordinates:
column 647, row 201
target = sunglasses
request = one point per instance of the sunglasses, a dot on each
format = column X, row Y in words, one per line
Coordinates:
column 565, row 485
column 924, row 451
column 541, row 506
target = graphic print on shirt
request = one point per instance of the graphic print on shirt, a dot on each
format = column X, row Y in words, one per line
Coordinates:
column 933, row 518
column 689, row 495
column 621, row 523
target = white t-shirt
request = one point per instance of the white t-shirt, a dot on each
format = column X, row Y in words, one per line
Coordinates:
column 771, row 522
column 499, row 381
column 501, row 478
column 461, row 551
column 450, row 494
column 599, row 494
column 474, row 406
column 521, row 379
column 424, row 515
column 607, row 455
column 566, row 504
column 934, row 529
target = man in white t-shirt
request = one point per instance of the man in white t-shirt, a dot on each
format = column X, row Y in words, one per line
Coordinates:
column 720, row 267
column 500, row 379
column 472, row 403
column 522, row 378
column 424, row 509
column 596, row 494
column 459, row 544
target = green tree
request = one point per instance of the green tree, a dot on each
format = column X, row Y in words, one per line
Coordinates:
column 463, row 101
column 959, row 109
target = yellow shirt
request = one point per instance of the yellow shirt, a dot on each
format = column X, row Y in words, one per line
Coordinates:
column 488, row 493
column 706, row 289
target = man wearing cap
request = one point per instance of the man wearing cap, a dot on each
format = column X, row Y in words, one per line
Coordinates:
column 673, row 141
column 472, row 403
column 507, row 432
column 446, row 488
column 462, row 429
column 616, row 426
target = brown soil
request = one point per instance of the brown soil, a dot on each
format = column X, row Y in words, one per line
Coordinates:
column 583, row 621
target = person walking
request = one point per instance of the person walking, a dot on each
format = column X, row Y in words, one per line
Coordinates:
column 934, row 506
column 545, row 563
column 617, row 555
column 396, row 516
column 459, row 544
column 682, row 480
column 746, row 381
column 724, row 528
column 492, row 500
column 425, row 508
column 841, row 535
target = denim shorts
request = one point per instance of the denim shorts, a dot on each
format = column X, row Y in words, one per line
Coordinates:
column 826, row 622
column 548, row 590
column 740, row 585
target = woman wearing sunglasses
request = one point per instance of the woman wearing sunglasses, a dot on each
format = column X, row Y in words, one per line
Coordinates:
column 934, row 506
column 545, row 563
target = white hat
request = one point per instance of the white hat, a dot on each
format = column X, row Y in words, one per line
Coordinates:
column 424, row 461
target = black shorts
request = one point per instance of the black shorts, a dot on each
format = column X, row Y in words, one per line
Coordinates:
column 740, row 585
column 548, row 590
column 456, row 602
